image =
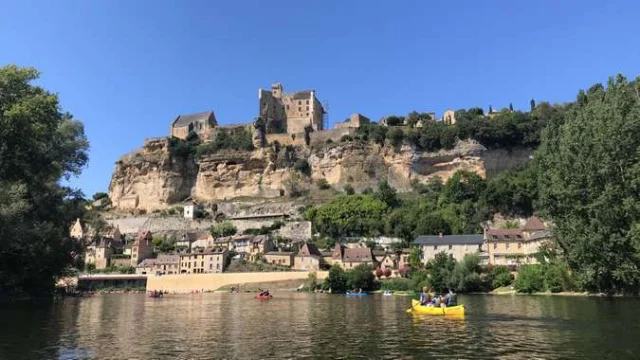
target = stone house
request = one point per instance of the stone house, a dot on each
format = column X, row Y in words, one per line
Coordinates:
column 516, row 246
column 282, row 258
column 201, row 123
column 354, row 121
column 164, row 264
column 290, row 113
column 259, row 245
column 204, row 262
column 308, row 258
column 185, row 239
column 449, row 117
column 349, row 258
column 386, row 261
column 142, row 247
column 402, row 258
column 456, row 245
column 99, row 252
column 203, row 241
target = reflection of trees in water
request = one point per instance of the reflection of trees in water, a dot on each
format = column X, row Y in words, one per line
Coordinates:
column 33, row 330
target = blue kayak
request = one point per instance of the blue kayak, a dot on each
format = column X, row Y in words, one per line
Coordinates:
column 356, row 294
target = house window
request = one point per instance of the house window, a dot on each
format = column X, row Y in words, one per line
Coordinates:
column 495, row 246
column 450, row 247
column 435, row 247
column 202, row 264
column 307, row 103
column 307, row 108
column 299, row 109
column 210, row 266
column 287, row 107
column 299, row 102
column 480, row 247
column 218, row 266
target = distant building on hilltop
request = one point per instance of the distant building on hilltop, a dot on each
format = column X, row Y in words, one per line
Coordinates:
column 449, row 117
column 290, row 113
column 354, row 121
column 201, row 124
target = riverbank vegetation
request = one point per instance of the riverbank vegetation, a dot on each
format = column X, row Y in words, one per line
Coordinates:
column 583, row 179
column 40, row 147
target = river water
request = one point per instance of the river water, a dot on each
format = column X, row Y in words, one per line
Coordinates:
column 292, row 325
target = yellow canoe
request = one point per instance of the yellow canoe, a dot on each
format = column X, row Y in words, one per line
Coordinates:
column 452, row 310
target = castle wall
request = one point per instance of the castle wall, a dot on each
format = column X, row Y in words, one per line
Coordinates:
column 318, row 137
column 286, row 139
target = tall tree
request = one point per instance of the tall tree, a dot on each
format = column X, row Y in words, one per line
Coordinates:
column 532, row 104
column 39, row 146
column 511, row 107
column 588, row 184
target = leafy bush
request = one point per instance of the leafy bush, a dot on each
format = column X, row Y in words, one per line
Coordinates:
column 231, row 139
column 396, row 136
column 396, row 284
column 530, row 279
column 346, row 138
column 223, row 229
column 349, row 190
column 500, row 276
column 323, row 184
column 99, row 195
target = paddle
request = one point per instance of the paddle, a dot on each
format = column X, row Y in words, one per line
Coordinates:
column 410, row 310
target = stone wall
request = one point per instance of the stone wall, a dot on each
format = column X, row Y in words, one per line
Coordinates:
column 319, row 137
column 121, row 262
column 286, row 139
column 186, row 283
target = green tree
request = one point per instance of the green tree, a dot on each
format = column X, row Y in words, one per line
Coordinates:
column 337, row 279
column 387, row 194
column 40, row 146
column 465, row 275
column 500, row 276
column 532, row 104
column 99, row 195
column 361, row 277
column 440, row 269
column 225, row 228
column 588, row 171
column 349, row 215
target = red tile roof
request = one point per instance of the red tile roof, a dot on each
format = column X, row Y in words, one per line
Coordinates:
column 534, row 224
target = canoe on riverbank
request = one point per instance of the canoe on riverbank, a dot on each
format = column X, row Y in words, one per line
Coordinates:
column 356, row 294
column 452, row 310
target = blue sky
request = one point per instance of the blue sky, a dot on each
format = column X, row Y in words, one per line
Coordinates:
column 127, row 68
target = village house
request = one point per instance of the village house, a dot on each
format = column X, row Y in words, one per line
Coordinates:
column 516, row 246
column 184, row 240
column 202, row 124
column 402, row 258
column 308, row 258
column 290, row 113
column 99, row 252
column 142, row 247
column 348, row 258
column 203, row 241
column 259, row 245
column 282, row 258
column 204, row 262
column 385, row 260
column 456, row 245
column 164, row 264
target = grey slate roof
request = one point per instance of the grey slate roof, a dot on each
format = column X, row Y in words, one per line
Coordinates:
column 184, row 120
column 302, row 95
column 472, row 239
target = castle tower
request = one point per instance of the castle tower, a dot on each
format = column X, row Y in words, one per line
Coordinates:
column 276, row 90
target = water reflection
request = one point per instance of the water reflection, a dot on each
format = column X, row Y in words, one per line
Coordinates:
column 318, row 326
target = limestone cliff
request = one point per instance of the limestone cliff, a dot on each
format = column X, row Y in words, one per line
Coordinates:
column 153, row 177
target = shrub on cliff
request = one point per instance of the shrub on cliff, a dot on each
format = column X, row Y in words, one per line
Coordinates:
column 323, row 184
column 302, row 166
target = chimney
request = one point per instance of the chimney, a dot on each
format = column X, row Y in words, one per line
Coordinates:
column 441, row 235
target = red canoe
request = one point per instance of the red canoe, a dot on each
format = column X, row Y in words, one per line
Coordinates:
column 263, row 297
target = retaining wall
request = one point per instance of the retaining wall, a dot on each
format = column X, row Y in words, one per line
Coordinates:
column 186, row 283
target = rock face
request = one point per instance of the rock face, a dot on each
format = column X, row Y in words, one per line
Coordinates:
column 153, row 178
